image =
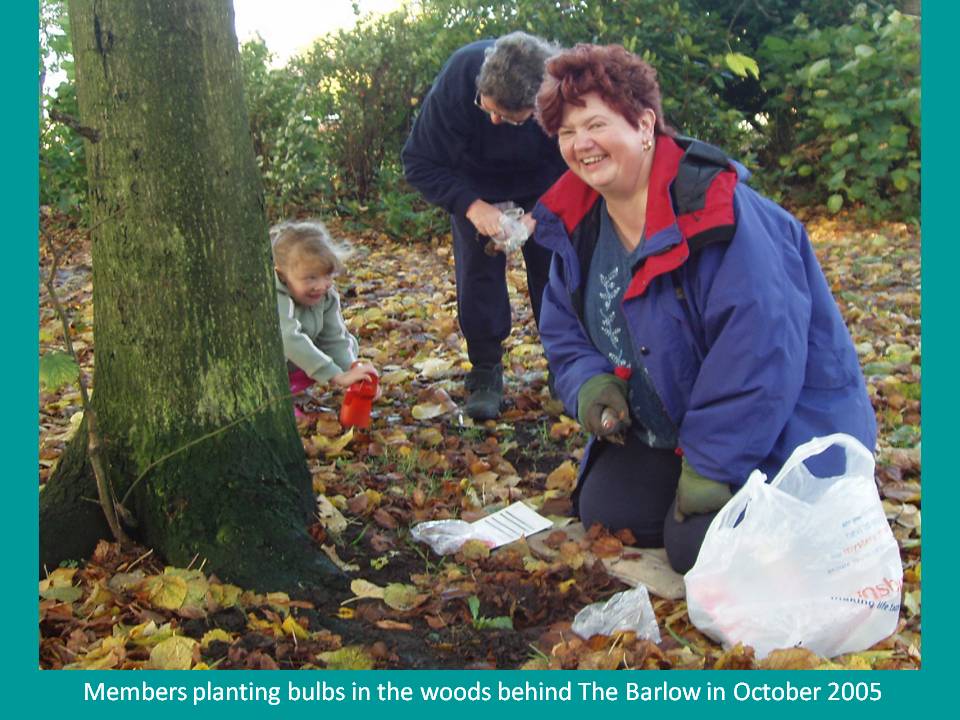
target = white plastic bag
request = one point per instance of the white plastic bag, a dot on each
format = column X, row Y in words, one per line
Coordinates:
column 446, row 536
column 627, row 610
column 812, row 562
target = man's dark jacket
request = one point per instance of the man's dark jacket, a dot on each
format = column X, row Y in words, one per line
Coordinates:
column 455, row 155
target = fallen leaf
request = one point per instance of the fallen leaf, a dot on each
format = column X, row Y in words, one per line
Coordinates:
column 474, row 550
column 384, row 519
column 109, row 654
column 197, row 585
column 333, row 447
column 563, row 477
column 571, row 555
column 402, row 597
column 365, row 589
column 606, row 547
column 122, row 582
column 911, row 601
column 225, row 595
column 396, row 377
column 61, row 577
column 564, row 428
column 291, row 627
column 217, row 634
column 430, row 437
column 67, row 594
column 427, row 412
column 175, row 653
column 166, row 591
column 434, row 368
column 331, row 518
column 737, row 658
column 331, row 552
column 393, row 625
column 351, row 657
column 790, row 659
column 145, row 634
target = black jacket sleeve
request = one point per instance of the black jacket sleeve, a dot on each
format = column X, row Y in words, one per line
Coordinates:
column 441, row 134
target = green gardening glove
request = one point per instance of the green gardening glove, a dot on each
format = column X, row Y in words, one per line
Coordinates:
column 697, row 495
column 602, row 405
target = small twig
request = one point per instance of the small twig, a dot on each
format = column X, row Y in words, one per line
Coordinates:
column 538, row 651
column 94, row 444
column 91, row 134
column 140, row 559
column 676, row 637
column 733, row 21
column 359, row 537
column 616, row 641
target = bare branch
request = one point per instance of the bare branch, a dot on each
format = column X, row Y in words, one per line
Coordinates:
column 91, row 134
column 94, row 444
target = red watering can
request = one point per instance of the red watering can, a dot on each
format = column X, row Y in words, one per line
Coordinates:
column 355, row 411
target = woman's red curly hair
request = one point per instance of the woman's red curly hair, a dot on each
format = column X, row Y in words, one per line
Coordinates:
column 622, row 80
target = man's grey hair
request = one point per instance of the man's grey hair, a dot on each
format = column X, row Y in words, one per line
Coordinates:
column 513, row 70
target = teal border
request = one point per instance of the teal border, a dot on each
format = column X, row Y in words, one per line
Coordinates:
column 35, row 692
column 939, row 384
column 20, row 122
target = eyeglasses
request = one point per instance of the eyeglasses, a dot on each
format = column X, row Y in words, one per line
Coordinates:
column 504, row 118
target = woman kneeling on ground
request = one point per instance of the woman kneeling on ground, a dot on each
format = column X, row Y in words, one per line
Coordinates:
column 687, row 320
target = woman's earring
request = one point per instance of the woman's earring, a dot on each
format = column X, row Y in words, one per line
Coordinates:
column 647, row 144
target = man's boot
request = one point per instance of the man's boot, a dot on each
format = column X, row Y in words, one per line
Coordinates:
column 485, row 385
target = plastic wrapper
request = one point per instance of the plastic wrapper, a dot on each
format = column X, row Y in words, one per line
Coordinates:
column 627, row 610
column 513, row 233
column 446, row 536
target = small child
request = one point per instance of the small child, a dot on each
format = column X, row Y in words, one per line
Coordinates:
column 316, row 342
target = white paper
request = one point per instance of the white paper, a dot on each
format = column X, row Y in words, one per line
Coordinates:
column 512, row 523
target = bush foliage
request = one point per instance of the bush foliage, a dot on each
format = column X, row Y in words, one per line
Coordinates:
column 62, row 173
column 845, row 113
column 823, row 104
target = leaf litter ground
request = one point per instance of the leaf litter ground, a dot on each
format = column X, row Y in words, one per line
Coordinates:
column 423, row 460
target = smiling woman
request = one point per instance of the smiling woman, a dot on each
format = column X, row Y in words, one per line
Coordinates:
column 687, row 319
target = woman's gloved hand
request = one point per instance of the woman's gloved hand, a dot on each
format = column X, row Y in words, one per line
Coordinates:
column 697, row 495
column 604, row 392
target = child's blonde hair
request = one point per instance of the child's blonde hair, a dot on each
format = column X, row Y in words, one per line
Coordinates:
column 308, row 238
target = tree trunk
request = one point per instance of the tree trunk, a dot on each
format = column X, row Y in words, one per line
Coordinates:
column 186, row 333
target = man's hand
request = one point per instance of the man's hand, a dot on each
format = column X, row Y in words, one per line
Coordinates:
column 485, row 218
column 697, row 495
column 602, row 405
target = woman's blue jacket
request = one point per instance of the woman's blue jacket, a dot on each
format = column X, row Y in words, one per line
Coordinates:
column 728, row 309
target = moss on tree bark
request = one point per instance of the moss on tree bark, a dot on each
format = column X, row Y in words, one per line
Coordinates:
column 186, row 334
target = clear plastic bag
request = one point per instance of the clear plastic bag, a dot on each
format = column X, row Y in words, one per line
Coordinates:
column 803, row 561
column 446, row 536
column 627, row 610
column 513, row 233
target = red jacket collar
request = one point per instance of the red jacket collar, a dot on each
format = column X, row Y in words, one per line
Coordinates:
column 570, row 198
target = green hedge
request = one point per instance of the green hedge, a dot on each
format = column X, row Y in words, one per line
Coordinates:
column 844, row 116
column 823, row 106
